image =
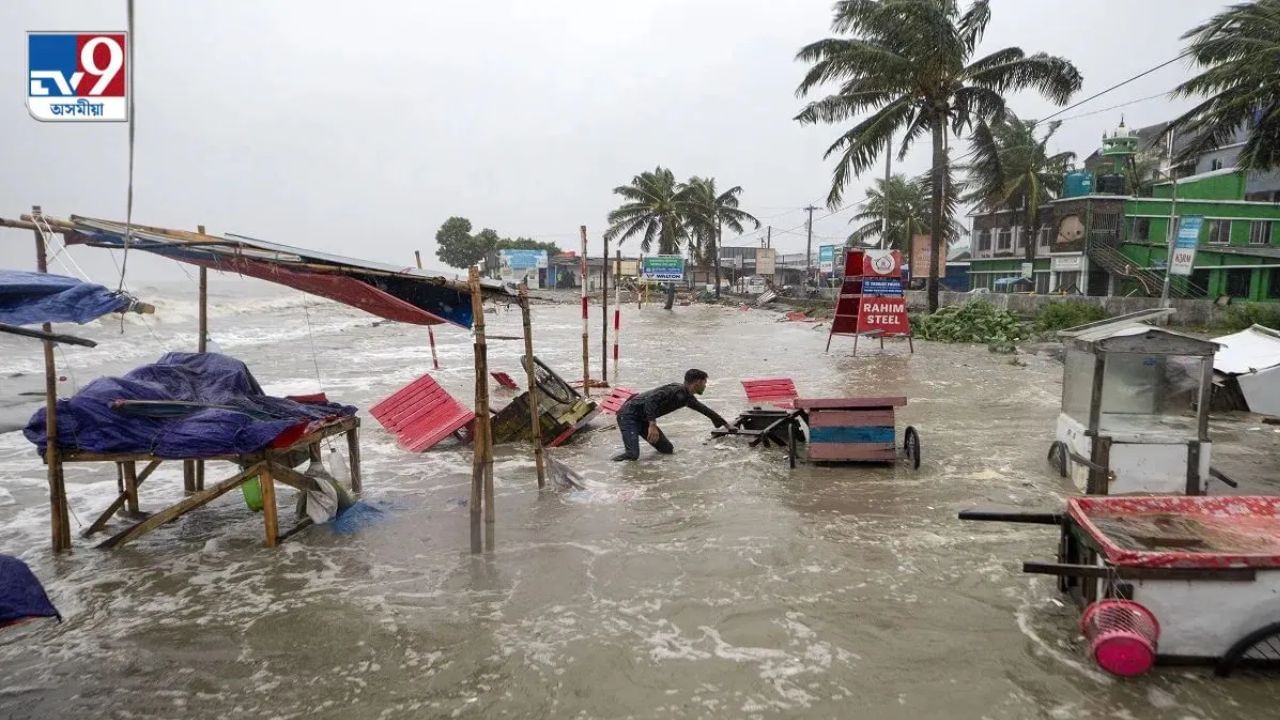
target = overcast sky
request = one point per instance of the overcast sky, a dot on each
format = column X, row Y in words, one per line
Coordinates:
column 358, row 127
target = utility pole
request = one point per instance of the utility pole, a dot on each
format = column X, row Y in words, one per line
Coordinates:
column 888, row 167
column 808, row 247
column 1173, row 230
column 769, row 238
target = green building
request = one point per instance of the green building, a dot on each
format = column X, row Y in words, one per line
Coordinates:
column 1099, row 240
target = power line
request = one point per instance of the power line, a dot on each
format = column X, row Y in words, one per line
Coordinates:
column 1120, row 84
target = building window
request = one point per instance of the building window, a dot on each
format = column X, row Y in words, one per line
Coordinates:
column 1004, row 240
column 1045, row 236
column 1260, row 232
column 1022, row 237
column 1219, row 232
column 1238, row 283
column 1215, row 164
column 984, row 240
column 1141, row 229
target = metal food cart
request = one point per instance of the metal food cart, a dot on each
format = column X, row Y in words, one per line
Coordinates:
column 1125, row 425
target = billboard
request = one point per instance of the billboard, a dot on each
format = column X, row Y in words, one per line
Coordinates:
column 520, row 265
column 1184, row 246
column 827, row 258
column 765, row 261
column 662, row 268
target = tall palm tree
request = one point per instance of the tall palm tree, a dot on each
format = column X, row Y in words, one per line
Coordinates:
column 652, row 210
column 708, row 211
column 905, row 68
column 1013, row 170
column 1238, row 48
column 894, row 211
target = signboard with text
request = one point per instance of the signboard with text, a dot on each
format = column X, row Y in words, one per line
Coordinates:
column 1184, row 246
column 827, row 259
column 886, row 315
column 662, row 268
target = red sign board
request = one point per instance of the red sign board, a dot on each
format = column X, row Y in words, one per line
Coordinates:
column 885, row 314
column 881, row 263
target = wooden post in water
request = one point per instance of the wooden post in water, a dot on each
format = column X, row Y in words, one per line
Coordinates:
column 535, row 412
column 617, row 312
column 586, row 353
column 604, row 311
column 482, row 453
column 193, row 471
column 60, row 524
column 431, row 334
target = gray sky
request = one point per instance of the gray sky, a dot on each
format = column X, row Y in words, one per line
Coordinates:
column 358, row 127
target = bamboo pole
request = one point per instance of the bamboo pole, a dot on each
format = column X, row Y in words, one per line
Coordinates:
column 60, row 524
column 604, row 311
column 482, row 454
column 431, row 334
column 202, row 345
column 535, row 408
column 617, row 312
column 586, row 353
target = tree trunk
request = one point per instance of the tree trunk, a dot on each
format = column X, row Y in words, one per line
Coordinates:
column 716, row 250
column 671, row 296
column 936, row 229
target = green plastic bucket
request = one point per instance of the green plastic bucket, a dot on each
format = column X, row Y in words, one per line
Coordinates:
column 252, row 491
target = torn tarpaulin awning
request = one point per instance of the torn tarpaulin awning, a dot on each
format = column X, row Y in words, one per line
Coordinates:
column 32, row 298
column 21, row 595
column 395, row 293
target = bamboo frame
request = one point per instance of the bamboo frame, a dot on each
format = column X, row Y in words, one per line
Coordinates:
column 535, row 409
column 482, row 453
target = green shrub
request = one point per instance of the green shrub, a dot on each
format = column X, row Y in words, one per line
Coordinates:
column 1239, row 316
column 1070, row 313
column 972, row 322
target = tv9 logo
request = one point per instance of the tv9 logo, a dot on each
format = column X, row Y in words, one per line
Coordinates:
column 77, row 77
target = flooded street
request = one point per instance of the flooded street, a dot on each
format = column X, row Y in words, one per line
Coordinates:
column 712, row 583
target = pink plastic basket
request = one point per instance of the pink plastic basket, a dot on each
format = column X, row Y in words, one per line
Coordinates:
column 1122, row 636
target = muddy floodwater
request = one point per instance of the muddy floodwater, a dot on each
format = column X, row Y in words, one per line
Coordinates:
column 711, row 583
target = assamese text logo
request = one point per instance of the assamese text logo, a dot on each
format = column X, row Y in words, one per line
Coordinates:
column 77, row 77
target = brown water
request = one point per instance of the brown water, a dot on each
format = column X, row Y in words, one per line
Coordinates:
column 712, row 583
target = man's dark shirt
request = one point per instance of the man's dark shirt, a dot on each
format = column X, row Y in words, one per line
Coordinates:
column 650, row 405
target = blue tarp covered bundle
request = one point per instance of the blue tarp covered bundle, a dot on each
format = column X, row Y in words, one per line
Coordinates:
column 231, row 417
column 30, row 298
column 21, row 596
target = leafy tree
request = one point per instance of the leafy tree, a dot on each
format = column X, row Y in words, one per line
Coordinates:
column 906, row 69
column 706, row 211
column 524, row 243
column 1238, row 48
column 1013, row 170
column 455, row 246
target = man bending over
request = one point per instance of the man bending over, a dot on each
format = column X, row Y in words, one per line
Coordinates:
column 639, row 416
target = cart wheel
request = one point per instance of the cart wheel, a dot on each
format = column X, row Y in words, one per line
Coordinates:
column 1058, row 457
column 1259, row 648
column 911, row 445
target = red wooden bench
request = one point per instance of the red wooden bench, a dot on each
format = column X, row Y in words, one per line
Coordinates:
column 617, row 398
column 505, row 380
column 422, row 414
column 779, row 392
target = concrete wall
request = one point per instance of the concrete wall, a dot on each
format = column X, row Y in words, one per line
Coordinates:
column 1189, row 312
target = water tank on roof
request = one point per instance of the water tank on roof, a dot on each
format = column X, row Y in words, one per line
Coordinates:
column 1111, row 184
column 1077, row 183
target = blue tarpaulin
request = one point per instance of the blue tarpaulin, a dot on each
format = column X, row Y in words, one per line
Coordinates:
column 30, row 298
column 229, row 414
column 21, row 596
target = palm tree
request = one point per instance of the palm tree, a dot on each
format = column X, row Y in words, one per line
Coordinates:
column 906, row 69
column 1238, row 48
column 707, row 212
column 895, row 211
column 653, row 210
column 1013, row 170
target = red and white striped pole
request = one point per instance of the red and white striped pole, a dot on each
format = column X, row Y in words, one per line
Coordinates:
column 617, row 311
column 586, row 353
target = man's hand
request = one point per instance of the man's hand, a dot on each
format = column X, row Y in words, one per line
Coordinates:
column 653, row 434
